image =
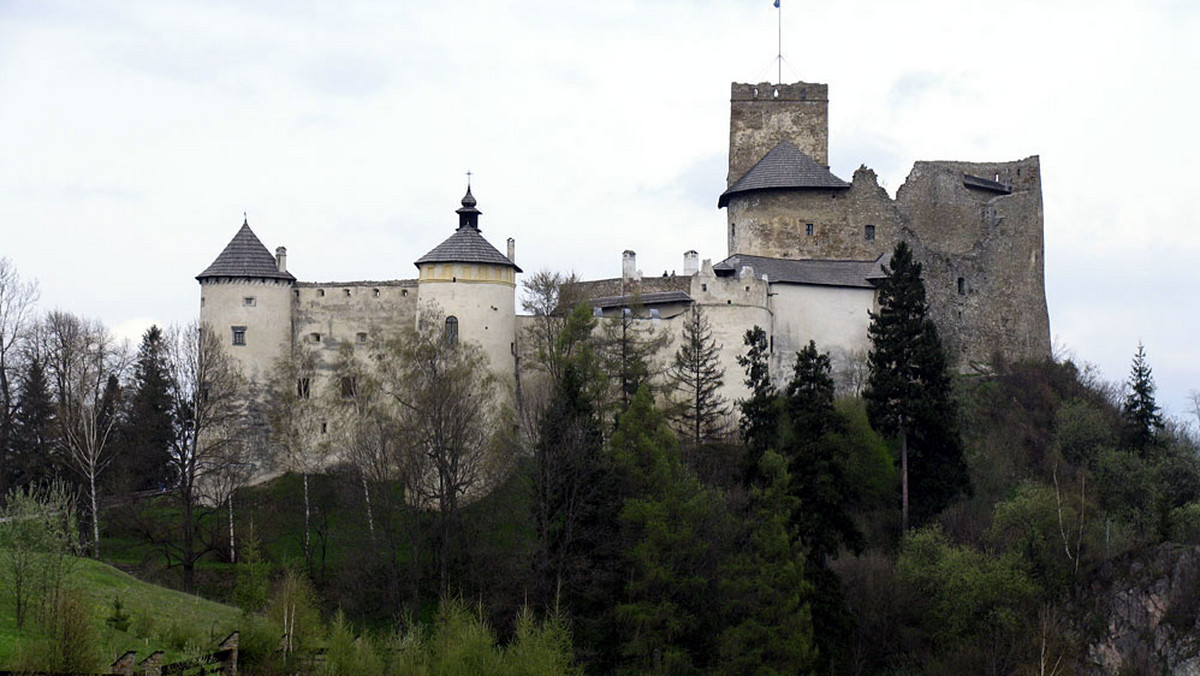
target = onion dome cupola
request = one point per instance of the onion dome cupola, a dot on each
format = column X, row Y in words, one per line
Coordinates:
column 467, row 245
column 245, row 257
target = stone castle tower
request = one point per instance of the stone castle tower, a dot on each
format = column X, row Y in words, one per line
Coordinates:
column 975, row 227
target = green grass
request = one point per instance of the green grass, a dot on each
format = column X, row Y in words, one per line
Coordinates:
column 161, row 618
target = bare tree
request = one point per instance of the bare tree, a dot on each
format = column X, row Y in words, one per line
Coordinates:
column 207, row 402
column 549, row 297
column 85, row 364
column 17, row 300
column 703, row 414
column 448, row 416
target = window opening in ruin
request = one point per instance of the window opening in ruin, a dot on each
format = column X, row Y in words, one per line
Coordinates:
column 962, row 286
column 452, row 330
column 404, row 292
column 201, row 301
column 809, row 229
column 512, row 347
column 303, row 387
column 704, row 287
column 362, row 337
column 869, row 233
column 320, row 292
column 239, row 335
column 314, row 337
column 297, row 292
column 349, row 388
column 249, row 301
column 347, row 292
column 997, row 177
column 324, row 428
column 376, row 293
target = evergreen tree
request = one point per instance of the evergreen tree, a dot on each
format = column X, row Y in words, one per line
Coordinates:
column 760, row 413
column 698, row 377
column 908, row 392
column 627, row 347
column 768, row 624
column 146, row 430
column 33, row 442
column 811, row 445
column 1140, row 412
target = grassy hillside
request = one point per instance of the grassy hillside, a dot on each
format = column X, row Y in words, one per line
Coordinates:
column 160, row 618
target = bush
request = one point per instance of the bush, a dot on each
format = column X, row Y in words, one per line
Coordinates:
column 64, row 640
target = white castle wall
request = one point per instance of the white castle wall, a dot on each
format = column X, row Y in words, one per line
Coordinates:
column 482, row 298
column 262, row 307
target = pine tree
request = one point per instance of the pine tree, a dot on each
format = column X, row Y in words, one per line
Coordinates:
column 1143, row 421
column 698, row 377
column 908, row 391
column 146, row 431
column 760, row 413
column 33, row 442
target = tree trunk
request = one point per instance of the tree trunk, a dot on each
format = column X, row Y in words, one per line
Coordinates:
column 232, row 546
column 903, row 479
column 95, row 516
column 367, row 498
column 307, row 531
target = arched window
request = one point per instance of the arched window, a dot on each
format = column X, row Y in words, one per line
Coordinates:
column 452, row 330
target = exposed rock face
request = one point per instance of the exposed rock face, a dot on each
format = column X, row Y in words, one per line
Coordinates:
column 1151, row 616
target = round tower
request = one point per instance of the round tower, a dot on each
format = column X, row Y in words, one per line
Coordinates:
column 246, row 298
column 474, row 286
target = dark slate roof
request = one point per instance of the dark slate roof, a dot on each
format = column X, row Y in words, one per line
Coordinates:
column 466, row 245
column 785, row 166
column 857, row 274
column 986, row 184
column 245, row 256
column 645, row 299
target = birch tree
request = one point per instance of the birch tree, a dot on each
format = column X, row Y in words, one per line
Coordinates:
column 85, row 363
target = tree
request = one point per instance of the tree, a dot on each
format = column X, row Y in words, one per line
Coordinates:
column 39, row 533
column 448, row 418
column 207, row 394
column 17, row 300
column 760, row 413
column 549, row 297
column 908, row 391
column 147, row 427
column 1140, row 412
column 85, row 364
column 698, row 377
column 627, row 348
column 33, row 442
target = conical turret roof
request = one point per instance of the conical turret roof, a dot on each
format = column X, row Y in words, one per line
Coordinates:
column 245, row 256
column 467, row 245
column 785, row 166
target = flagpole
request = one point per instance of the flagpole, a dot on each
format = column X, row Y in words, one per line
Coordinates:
column 779, row 55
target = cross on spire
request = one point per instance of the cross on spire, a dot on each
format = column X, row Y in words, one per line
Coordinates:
column 468, row 179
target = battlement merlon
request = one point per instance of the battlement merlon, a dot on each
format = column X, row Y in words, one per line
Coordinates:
column 763, row 114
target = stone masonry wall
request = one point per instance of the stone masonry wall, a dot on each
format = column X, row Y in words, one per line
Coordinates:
column 757, row 122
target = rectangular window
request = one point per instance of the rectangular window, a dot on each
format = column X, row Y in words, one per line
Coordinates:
column 349, row 388
column 249, row 301
column 809, row 229
column 869, row 233
column 962, row 286
column 239, row 335
column 303, row 388
column 314, row 337
column 362, row 337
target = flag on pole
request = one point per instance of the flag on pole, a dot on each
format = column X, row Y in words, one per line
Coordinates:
column 776, row 4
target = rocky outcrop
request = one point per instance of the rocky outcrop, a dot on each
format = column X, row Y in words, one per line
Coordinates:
column 1147, row 615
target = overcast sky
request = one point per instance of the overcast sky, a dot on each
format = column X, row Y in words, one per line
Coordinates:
column 134, row 134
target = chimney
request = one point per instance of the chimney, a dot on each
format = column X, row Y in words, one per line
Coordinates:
column 281, row 258
column 628, row 265
column 691, row 262
column 512, row 251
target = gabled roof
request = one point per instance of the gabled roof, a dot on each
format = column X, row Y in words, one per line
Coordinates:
column 855, row 274
column 785, row 166
column 245, row 256
column 467, row 245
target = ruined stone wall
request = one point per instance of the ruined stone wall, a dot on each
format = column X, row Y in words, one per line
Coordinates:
column 982, row 258
column 757, row 122
column 617, row 286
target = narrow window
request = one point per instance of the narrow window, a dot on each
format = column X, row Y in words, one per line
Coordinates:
column 376, row 293
column 297, row 292
column 962, row 286
column 349, row 388
column 869, row 233
column 321, row 292
column 452, row 330
column 239, row 335
column 704, row 287
column 347, row 292
column 249, row 301
column 362, row 337
column 809, row 229
column 314, row 337
column 303, row 388
column 324, row 428
column 404, row 292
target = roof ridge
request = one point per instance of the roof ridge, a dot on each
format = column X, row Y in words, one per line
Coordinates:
column 784, row 166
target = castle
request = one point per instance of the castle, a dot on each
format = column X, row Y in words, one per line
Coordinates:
column 806, row 250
